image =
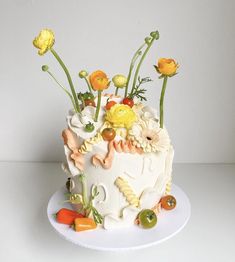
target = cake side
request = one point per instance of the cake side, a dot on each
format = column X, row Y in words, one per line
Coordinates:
column 127, row 179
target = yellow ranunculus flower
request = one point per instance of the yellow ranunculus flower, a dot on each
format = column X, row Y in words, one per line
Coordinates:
column 167, row 66
column 121, row 116
column 119, row 81
column 44, row 41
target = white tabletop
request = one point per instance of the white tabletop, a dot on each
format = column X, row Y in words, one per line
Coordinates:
column 26, row 235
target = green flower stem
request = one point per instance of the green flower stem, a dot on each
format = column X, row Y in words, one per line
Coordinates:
column 116, row 91
column 162, row 100
column 83, row 102
column 89, row 85
column 140, row 63
column 77, row 106
column 136, row 55
column 84, row 190
column 65, row 90
column 98, row 106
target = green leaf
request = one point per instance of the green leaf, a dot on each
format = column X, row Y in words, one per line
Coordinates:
column 157, row 69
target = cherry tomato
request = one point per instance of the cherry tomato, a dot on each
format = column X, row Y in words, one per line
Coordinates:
column 128, row 101
column 110, row 104
column 108, row 134
column 147, row 218
column 89, row 102
column 168, row 202
column 89, row 127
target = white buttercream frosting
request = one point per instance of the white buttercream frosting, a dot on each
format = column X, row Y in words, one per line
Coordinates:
column 147, row 174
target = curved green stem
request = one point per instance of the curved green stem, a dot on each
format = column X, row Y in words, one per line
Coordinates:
column 83, row 103
column 98, row 106
column 65, row 90
column 77, row 106
column 84, row 190
column 89, row 85
column 133, row 60
column 140, row 63
column 116, row 91
column 162, row 100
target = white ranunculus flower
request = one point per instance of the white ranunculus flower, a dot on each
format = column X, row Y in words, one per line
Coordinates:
column 149, row 113
column 77, row 122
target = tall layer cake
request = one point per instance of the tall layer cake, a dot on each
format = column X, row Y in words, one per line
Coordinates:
column 118, row 151
column 131, row 172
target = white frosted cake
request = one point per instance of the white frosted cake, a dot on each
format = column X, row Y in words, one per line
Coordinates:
column 128, row 176
column 118, row 151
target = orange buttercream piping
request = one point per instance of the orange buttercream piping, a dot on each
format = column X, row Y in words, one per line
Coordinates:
column 123, row 146
column 105, row 162
column 78, row 159
column 117, row 146
column 71, row 140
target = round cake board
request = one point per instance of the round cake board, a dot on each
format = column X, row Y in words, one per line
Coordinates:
column 169, row 224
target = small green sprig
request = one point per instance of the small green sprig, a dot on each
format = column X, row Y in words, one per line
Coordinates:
column 88, row 207
column 91, row 209
column 96, row 216
column 137, row 92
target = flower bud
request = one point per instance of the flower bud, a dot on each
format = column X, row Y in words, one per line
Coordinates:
column 119, row 81
column 45, row 68
column 83, row 74
column 147, row 40
column 155, row 35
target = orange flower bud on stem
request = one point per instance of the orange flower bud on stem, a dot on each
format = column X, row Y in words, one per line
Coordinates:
column 98, row 105
column 162, row 100
column 99, row 81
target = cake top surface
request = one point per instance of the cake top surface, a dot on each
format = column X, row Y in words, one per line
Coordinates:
column 139, row 124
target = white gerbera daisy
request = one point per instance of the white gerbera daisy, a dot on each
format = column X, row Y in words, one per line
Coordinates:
column 147, row 134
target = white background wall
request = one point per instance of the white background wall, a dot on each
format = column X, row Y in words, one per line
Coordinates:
column 199, row 102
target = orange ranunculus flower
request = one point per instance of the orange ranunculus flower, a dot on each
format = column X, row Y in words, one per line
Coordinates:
column 167, row 66
column 99, row 80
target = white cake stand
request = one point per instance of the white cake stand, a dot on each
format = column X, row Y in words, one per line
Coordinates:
column 169, row 224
